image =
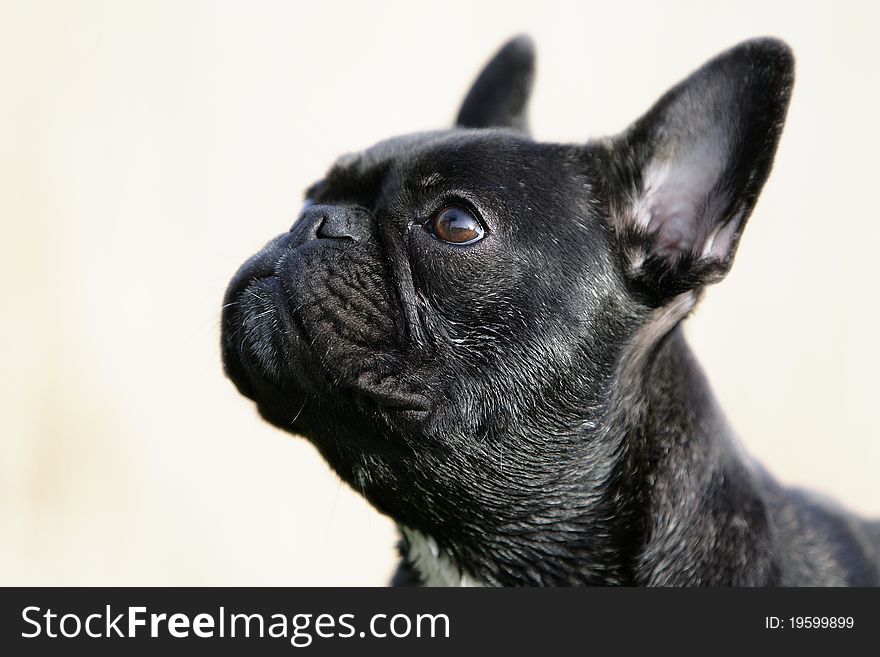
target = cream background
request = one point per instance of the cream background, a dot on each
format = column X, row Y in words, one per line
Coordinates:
column 147, row 148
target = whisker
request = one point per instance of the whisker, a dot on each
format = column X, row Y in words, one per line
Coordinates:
column 302, row 406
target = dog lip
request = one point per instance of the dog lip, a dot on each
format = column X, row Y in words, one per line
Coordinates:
column 237, row 361
column 235, row 369
column 393, row 401
column 246, row 380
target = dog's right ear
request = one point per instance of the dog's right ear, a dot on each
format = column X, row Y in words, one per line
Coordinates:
column 682, row 180
column 499, row 97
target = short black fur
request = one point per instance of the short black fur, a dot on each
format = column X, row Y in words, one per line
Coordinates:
column 526, row 406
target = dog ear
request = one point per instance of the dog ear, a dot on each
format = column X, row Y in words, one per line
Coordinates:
column 500, row 95
column 683, row 179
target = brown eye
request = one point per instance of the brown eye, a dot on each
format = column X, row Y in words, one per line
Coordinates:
column 456, row 225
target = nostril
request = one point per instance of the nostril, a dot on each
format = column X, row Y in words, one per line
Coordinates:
column 332, row 222
column 319, row 226
column 308, row 223
column 335, row 226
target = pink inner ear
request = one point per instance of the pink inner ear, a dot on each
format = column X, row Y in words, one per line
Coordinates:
column 671, row 219
column 679, row 204
column 721, row 242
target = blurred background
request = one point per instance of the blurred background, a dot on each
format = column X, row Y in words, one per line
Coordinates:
column 148, row 148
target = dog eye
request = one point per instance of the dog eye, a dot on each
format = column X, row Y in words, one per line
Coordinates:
column 456, row 225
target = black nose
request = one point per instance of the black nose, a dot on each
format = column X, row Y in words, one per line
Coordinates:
column 337, row 222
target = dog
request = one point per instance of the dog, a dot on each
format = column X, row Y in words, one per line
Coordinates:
column 481, row 334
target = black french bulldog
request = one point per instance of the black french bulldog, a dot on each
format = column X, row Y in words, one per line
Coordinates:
column 482, row 334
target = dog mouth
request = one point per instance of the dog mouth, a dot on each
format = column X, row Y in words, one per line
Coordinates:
column 249, row 352
column 267, row 353
column 391, row 399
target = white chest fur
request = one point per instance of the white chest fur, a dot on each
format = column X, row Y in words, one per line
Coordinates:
column 435, row 567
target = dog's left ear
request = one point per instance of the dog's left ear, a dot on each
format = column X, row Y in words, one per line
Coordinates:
column 499, row 97
column 683, row 179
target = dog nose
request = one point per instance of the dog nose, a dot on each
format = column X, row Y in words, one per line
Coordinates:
column 337, row 222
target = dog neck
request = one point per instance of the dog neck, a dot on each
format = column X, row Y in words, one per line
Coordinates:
column 701, row 495
column 651, row 497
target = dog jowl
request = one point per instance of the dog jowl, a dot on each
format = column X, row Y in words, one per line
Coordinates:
column 481, row 334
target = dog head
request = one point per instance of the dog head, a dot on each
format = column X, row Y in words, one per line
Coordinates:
column 449, row 318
